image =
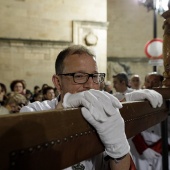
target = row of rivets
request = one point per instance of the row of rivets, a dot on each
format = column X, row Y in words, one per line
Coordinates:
column 140, row 117
column 38, row 147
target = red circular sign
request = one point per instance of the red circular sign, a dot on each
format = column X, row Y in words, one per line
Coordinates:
column 153, row 48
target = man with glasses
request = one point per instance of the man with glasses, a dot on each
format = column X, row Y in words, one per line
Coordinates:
column 78, row 81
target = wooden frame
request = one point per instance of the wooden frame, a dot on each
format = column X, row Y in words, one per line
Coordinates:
column 57, row 139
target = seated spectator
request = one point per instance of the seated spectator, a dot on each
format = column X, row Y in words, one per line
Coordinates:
column 25, row 86
column 37, row 97
column 135, row 82
column 121, row 85
column 152, row 80
column 44, row 86
column 18, row 86
column 36, row 89
column 48, row 93
column 3, row 110
column 28, row 95
column 3, row 93
column 15, row 102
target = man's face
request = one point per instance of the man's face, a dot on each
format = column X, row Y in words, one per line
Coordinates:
column 152, row 81
column 39, row 97
column 18, row 88
column 13, row 107
column 77, row 63
column 119, row 86
column 135, row 83
column 50, row 95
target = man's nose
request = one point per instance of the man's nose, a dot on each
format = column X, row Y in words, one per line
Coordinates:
column 89, row 83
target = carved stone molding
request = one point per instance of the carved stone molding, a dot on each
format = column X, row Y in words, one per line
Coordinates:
column 87, row 32
column 32, row 42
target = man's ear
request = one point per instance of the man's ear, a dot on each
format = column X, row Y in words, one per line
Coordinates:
column 57, row 82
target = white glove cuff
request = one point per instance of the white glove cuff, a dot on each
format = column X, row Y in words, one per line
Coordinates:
column 119, row 150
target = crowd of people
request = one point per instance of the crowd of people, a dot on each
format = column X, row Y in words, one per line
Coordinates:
column 78, row 83
column 146, row 146
column 19, row 95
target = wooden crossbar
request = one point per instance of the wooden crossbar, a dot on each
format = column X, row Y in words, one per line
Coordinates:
column 56, row 139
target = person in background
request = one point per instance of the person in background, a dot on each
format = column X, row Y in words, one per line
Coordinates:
column 15, row 102
column 48, row 93
column 37, row 97
column 29, row 95
column 18, row 86
column 152, row 80
column 3, row 99
column 36, row 89
column 78, row 81
column 121, row 85
column 44, row 86
column 135, row 82
column 3, row 94
column 146, row 146
column 108, row 87
column 25, row 86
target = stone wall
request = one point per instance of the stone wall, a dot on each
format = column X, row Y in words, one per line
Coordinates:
column 32, row 32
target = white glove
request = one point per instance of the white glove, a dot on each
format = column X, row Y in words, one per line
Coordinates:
column 74, row 100
column 154, row 97
column 105, row 103
column 150, row 154
column 111, row 133
column 101, row 110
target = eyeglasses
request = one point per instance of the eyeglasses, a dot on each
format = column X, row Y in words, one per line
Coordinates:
column 82, row 78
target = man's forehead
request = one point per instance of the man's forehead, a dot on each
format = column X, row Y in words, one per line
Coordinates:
column 79, row 56
column 153, row 77
column 79, row 60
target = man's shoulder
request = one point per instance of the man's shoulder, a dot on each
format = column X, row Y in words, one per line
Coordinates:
column 39, row 106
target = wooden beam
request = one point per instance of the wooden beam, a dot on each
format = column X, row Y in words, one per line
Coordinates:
column 57, row 139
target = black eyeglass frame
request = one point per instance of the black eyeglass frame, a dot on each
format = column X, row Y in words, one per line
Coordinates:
column 89, row 75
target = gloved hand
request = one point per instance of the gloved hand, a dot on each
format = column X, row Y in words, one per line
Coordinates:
column 154, row 97
column 105, row 103
column 150, row 154
column 101, row 110
column 111, row 131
